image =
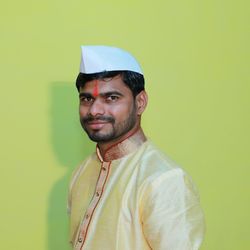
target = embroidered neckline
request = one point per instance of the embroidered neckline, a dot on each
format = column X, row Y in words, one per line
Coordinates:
column 122, row 148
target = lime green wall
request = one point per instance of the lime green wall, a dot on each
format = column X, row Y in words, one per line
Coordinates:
column 195, row 56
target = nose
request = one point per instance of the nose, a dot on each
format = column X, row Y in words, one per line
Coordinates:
column 97, row 108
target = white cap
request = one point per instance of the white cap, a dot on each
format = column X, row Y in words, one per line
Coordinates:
column 99, row 58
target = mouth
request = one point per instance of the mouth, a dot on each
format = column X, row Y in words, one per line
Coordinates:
column 96, row 125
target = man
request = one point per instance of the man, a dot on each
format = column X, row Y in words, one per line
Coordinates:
column 127, row 195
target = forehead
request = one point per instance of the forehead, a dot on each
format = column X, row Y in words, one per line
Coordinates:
column 106, row 85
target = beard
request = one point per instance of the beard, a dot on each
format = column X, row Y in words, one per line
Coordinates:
column 116, row 129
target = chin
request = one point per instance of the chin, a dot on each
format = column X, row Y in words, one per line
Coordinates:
column 99, row 137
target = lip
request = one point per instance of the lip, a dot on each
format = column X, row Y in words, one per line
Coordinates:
column 97, row 124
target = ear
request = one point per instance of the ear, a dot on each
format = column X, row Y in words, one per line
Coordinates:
column 141, row 102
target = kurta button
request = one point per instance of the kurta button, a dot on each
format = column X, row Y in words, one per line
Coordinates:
column 97, row 194
column 103, row 168
column 80, row 240
column 87, row 216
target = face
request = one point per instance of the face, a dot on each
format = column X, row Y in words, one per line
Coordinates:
column 107, row 109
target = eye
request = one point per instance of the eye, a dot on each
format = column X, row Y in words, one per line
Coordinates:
column 86, row 99
column 112, row 98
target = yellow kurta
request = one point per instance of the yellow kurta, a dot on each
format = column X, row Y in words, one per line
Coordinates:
column 134, row 198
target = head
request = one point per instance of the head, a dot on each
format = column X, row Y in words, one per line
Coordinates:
column 111, row 103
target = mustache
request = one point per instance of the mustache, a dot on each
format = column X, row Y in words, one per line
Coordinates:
column 90, row 118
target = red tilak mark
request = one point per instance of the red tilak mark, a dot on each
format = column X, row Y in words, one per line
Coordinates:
column 95, row 91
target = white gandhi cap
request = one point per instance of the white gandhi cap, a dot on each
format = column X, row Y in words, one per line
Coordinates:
column 99, row 58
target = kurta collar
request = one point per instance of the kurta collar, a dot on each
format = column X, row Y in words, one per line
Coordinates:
column 122, row 148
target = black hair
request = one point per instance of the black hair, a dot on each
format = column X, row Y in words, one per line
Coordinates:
column 135, row 81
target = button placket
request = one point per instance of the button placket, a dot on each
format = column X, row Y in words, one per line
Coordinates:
column 93, row 204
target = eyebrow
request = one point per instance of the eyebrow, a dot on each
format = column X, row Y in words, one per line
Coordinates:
column 105, row 94
column 85, row 95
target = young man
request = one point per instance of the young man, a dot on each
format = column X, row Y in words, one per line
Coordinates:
column 127, row 195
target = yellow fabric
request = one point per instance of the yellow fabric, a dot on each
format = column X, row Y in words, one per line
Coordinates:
column 148, row 202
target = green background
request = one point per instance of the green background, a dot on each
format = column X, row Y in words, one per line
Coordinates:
column 195, row 56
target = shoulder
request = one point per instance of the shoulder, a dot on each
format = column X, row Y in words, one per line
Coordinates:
column 155, row 163
column 160, row 172
column 80, row 168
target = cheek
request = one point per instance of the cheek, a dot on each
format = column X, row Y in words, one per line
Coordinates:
column 121, row 112
column 82, row 110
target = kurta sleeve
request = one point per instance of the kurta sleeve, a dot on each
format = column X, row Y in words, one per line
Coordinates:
column 172, row 218
column 73, row 179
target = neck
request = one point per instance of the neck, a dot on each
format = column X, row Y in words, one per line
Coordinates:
column 103, row 147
